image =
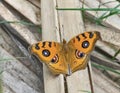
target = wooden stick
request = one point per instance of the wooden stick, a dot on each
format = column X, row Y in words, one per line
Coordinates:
column 71, row 24
column 50, row 31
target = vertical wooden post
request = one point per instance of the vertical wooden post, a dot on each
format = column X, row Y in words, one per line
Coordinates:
column 53, row 84
column 71, row 24
column 68, row 24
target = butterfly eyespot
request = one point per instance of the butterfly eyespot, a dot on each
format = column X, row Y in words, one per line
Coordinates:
column 46, row 53
column 79, row 54
column 85, row 44
column 54, row 59
column 37, row 47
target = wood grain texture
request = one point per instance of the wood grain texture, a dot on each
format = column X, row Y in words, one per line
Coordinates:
column 103, row 84
column 68, row 24
column 24, row 32
column 53, row 84
column 107, row 34
column 21, row 29
column 35, row 2
column 110, row 4
column 71, row 24
column 112, row 21
column 109, row 49
column 16, row 78
column 27, row 9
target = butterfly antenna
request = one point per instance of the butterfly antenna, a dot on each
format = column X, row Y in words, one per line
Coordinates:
column 62, row 35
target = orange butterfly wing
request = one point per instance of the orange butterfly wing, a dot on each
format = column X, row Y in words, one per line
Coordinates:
column 52, row 54
column 80, row 48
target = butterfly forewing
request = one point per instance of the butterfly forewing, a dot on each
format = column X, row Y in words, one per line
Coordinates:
column 84, row 42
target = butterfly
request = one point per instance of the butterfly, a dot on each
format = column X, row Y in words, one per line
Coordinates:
column 66, row 58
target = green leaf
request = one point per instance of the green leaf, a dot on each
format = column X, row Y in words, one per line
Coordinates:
column 116, row 54
column 85, row 91
column 105, row 68
column 20, row 22
column 88, row 9
column 8, row 59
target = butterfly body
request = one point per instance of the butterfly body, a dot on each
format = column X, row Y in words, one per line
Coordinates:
column 66, row 58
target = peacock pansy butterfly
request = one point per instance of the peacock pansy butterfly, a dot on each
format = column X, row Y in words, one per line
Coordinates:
column 66, row 58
